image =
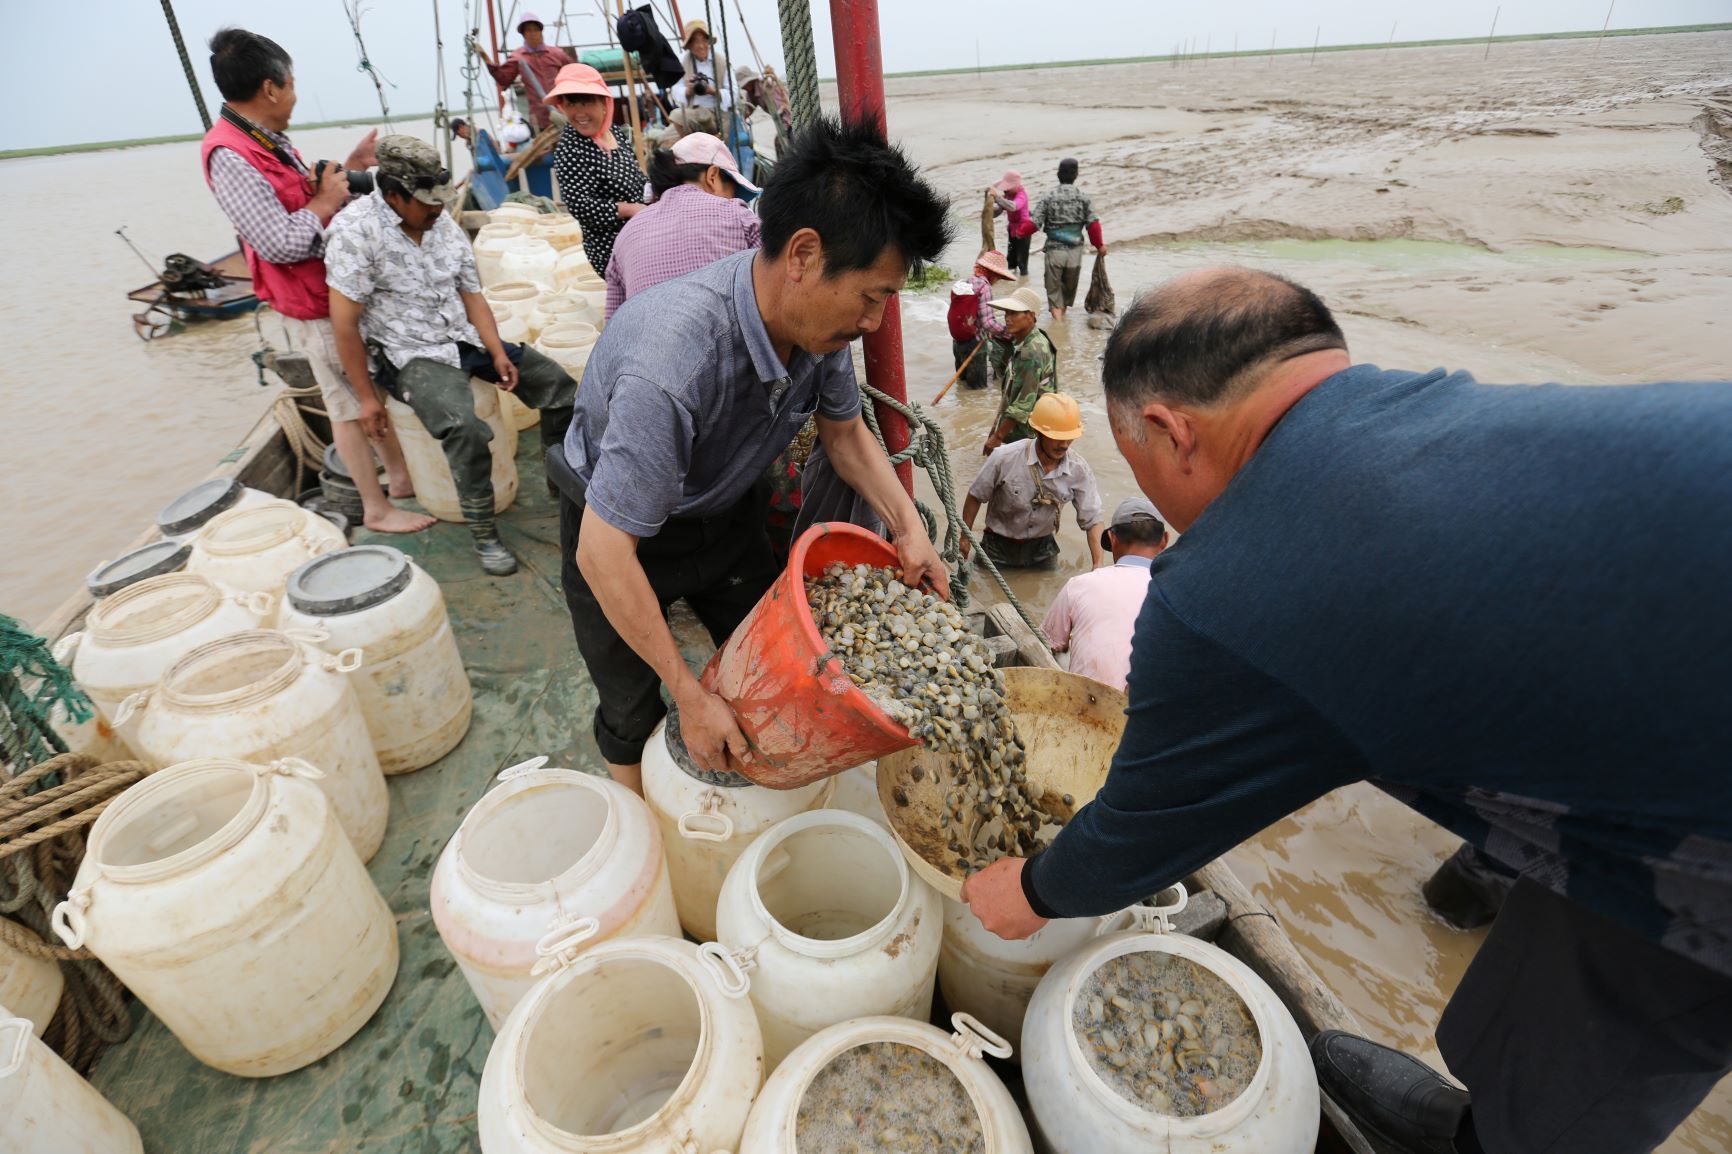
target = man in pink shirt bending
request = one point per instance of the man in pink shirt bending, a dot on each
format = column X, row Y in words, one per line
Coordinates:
column 1096, row 613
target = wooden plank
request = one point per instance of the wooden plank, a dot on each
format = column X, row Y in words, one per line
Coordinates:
column 1029, row 647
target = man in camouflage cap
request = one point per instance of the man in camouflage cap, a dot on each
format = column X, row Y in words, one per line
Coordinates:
column 407, row 311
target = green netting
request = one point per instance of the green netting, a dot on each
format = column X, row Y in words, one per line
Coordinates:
column 32, row 683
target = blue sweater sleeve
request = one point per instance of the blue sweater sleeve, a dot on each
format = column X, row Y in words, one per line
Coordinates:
column 1213, row 751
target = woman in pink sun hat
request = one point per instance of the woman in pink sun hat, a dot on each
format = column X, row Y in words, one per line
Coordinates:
column 599, row 179
column 1011, row 198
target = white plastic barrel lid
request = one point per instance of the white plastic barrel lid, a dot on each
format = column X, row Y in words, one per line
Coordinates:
column 334, row 463
column 349, row 580
column 197, row 505
column 153, row 560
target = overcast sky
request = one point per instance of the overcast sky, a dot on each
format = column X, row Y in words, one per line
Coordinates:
column 122, row 79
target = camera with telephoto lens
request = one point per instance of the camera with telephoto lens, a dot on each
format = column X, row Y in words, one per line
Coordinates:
column 360, row 183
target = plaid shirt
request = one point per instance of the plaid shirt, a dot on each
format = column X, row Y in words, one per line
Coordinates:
column 686, row 230
column 990, row 322
column 277, row 235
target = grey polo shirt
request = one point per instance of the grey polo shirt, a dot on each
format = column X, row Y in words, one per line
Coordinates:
column 685, row 403
column 1023, row 500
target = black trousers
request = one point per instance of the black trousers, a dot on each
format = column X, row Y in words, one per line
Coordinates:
column 719, row 565
column 1577, row 1036
column 1017, row 256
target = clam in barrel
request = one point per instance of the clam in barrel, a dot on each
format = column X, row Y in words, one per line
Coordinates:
column 831, row 923
column 46, row 1108
column 549, row 862
column 639, row 1046
column 259, row 696
column 1152, row 1040
column 226, row 896
column 412, row 686
column 707, row 821
column 908, row 1085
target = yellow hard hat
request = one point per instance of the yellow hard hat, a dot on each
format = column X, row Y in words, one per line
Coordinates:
column 1056, row 415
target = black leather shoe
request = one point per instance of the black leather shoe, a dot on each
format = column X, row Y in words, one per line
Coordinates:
column 1397, row 1099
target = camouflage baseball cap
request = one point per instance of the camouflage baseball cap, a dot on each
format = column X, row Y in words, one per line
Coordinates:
column 417, row 165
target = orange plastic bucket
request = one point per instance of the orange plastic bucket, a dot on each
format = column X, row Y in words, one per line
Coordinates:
column 804, row 718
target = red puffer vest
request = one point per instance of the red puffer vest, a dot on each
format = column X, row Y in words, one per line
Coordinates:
column 295, row 290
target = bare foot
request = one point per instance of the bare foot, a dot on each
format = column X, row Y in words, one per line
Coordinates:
column 398, row 521
column 401, row 489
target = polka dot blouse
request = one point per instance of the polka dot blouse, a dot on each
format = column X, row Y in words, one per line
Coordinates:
column 592, row 183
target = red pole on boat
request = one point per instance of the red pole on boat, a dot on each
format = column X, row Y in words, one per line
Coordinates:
column 860, row 87
column 493, row 30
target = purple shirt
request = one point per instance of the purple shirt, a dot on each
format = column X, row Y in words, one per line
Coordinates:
column 1095, row 615
column 686, row 230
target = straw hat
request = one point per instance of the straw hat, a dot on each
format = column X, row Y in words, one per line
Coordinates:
column 692, row 28
column 992, row 263
column 1023, row 300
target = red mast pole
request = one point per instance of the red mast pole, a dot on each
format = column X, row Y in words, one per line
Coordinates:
column 860, row 86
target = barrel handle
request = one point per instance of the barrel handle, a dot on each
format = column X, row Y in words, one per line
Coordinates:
column 319, row 546
column 66, row 646
column 129, row 705
column 259, row 603
column 306, row 634
column 296, row 767
column 512, row 773
column 68, row 921
column 973, row 1038
column 347, row 661
column 731, row 967
column 25, row 1031
column 707, row 811
column 1114, row 922
column 1158, row 918
column 558, row 947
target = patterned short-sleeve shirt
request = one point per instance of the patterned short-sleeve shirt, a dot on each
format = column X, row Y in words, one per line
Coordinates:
column 593, row 183
column 410, row 291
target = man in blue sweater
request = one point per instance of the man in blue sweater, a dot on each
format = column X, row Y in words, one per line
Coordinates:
column 1413, row 579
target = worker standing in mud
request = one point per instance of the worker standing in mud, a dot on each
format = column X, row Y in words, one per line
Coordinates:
column 1372, row 586
column 693, row 388
column 1066, row 215
column 1030, row 368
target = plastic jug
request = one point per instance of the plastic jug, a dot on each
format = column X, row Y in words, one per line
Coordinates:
column 771, row 1127
column 29, row 983
column 413, row 688
column 261, row 696
column 254, row 549
column 829, row 921
column 46, row 1108
column 1074, row 1109
column 131, row 639
column 573, row 266
column 513, row 211
column 225, row 896
column 516, row 296
column 803, row 717
column 559, row 230
column 569, row 345
column 707, row 823
column 431, row 472
column 184, row 516
column 525, row 258
column 549, row 860
column 638, row 1046
column 557, row 308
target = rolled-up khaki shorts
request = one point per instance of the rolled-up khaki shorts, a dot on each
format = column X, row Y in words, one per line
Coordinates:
column 319, row 342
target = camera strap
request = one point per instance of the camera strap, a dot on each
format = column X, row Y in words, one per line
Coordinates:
column 263, row 139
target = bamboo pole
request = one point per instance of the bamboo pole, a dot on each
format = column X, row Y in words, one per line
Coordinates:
column 960, row 369
column 1493, row 32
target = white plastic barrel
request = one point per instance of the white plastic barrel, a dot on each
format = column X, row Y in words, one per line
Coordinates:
column 512, row 210
column 773, row 1124
column 549, row 860
column 516, row 297
column 639, row 1046
column 527, row 258
column 993, row 979
column 512, row 328
column 413, row 689
column 183, row 517
column 825, row 915
column 29, row 983
column 226, row 897
column 254, row 549
column 569, row 345
column 572, row 266
column 560, row 230
column 431, row 472
column 706, row 827
column 131, row 639
column 1075, row 1111
column 556, row 308
column 259, row 696
column 141, row 564
column 46, row 1108
column 490, row 246
column 519, row 416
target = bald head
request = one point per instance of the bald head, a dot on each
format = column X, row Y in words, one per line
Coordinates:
column 1207, row 338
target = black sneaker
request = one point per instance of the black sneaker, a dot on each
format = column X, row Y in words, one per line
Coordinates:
column 1395, row 1098
column 496, row 559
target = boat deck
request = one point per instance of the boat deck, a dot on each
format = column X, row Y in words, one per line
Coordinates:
column 408, row 1081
